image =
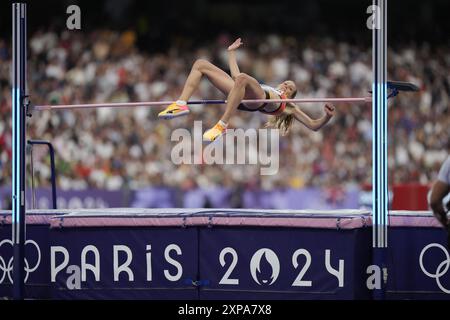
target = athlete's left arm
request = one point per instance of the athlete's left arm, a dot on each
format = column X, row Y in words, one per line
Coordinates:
column 315, row 124
column 232, row 60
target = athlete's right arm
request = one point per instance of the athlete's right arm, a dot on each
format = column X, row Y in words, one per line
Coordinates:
column 234, row 69
column 314, row 124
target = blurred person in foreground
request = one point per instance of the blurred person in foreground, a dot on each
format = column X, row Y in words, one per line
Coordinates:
column 439, row 192
column 241, row 86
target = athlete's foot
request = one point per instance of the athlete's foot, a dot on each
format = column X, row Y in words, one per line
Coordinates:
column 173, row 111
column 216, row 132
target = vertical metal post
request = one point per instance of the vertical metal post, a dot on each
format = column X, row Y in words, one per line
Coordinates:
column 19, row 94
column 380, row 197
column 53, row 169
column 33, row 187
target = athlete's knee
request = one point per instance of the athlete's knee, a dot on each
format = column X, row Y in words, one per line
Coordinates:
column 241, row 80
column 200, row 64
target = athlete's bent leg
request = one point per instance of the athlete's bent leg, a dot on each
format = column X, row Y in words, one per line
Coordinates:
column 219, row 78
column 244, row 87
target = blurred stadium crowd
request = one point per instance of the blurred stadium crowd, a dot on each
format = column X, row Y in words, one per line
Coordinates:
column 114, row 148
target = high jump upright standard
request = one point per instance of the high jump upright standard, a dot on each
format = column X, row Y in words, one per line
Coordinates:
column 19, row 105
column 380, row 198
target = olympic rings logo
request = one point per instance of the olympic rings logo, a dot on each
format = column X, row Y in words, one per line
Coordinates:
column 440, row 270
column 7, row 268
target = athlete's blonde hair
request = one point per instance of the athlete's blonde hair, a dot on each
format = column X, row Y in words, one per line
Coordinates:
column 284, row 121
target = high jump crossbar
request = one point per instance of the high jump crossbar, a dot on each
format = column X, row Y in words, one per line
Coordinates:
column 198, row 102
column 394, row 86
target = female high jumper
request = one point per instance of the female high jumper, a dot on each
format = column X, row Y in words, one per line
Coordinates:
column 242, row 86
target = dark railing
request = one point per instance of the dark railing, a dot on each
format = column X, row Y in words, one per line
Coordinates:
column 32, row 143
